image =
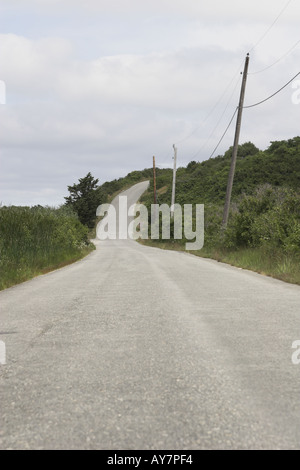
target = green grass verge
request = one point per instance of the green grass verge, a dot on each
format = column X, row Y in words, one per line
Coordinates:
column 13, row 274
column 35, row 240
column 264, row 260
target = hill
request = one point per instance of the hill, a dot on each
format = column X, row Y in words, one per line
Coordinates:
column 263, row 232
column 205, row 182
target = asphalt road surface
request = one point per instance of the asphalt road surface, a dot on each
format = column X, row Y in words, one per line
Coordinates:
column 138, row 348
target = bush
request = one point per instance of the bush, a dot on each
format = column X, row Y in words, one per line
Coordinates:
column 270, row 216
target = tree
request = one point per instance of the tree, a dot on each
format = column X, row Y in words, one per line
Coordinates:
column 84, row 199
column 247, row 149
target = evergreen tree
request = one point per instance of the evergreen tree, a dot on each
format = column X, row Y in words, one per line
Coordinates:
column 84, row 199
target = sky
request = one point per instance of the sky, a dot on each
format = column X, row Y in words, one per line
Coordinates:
column 101, row 86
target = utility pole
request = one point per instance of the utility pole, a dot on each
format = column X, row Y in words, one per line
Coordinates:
column 235, row 146
column 154, row 180
column 174, row 181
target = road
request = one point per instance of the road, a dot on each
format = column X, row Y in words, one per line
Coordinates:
column 139, row 348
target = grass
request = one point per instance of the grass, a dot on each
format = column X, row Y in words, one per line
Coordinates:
column 37, row 240
column 263, row 260
column 13, row 275
column 274, row 263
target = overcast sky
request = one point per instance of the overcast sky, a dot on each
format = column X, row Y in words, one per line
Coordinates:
column 101, row 86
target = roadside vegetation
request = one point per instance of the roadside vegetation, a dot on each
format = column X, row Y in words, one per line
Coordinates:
column 35, row 240
column 263, row 232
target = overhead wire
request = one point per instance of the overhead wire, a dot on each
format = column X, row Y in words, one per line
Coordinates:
column 253, row 47
column 212, row 133
column 251, row 106
column 271, row 26
column 251, row 73
column 278, row 60
column 225, row 132
column 211, row 111
column 271, row 96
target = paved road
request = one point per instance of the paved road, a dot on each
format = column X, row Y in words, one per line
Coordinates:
column 138, row 348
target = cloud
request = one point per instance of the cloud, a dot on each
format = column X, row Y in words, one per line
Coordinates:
column 104, row 86
column 214, row 9
column 29, row 66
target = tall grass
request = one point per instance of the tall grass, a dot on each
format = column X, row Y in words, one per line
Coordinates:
column 38, row 239
column 269, row 261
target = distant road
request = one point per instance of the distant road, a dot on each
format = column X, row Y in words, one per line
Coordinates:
column 138, row 348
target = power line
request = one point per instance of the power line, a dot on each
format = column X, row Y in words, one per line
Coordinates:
column 212, row 133
column 220, row 99
column 270, row 27
column 278, row 60
column 256, row 104
column 244, row 107
column 224, row 132
column 212, row 110
column 269, row 97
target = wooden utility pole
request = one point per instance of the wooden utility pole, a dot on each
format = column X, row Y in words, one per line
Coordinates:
column 174, row 181
column 154, row 181
column 235, row 145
